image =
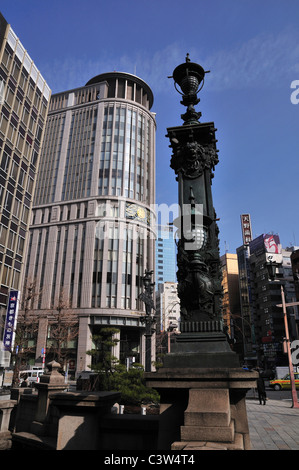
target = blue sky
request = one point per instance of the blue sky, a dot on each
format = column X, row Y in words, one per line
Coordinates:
column 252, row 50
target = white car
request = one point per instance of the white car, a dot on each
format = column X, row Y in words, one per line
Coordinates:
column 32, row 376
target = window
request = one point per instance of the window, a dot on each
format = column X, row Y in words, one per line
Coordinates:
column 4, row 161
column 8, row 201
column 3, row 124
column 6, row 59
column 14, row 170
column 17, row 208
column 3, row 233
column 9, row 96
column 11, row 132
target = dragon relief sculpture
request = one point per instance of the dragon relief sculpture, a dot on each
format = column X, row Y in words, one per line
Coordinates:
column 195, row 285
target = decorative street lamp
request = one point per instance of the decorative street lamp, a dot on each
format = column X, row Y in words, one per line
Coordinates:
column 148, row 318
column 271, row 267
column 201, row 368
column 202, row 339
column 189, row 76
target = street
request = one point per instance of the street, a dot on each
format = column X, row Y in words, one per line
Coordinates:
column 274, row 395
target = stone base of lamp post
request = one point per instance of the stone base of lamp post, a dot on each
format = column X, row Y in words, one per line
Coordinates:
column 202, row 407
column 201, row 350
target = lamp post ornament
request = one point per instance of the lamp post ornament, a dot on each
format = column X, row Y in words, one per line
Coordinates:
column 148, row 318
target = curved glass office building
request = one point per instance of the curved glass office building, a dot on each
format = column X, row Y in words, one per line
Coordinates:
column 92, row 230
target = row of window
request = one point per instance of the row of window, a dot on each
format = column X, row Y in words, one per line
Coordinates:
column 22, row 116
column 124, row 158
column 48, row 170
column 65, row 265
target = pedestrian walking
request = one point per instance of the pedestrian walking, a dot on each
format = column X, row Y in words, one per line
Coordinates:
column 261, row 390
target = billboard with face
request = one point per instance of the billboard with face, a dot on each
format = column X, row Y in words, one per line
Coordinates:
column 266, row 243
column 272, row 243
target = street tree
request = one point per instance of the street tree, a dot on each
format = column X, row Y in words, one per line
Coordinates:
column 63, row 329
column 26, row 329
column 112, row 375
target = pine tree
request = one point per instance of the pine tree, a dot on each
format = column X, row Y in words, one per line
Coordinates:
column 111, row 375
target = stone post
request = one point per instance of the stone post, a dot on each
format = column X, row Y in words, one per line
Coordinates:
column 50, row 382
column 6, row 407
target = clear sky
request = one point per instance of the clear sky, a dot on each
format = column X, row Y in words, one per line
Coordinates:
column 251, row 48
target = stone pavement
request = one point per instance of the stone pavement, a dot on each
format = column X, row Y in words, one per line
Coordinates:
column 274, row 426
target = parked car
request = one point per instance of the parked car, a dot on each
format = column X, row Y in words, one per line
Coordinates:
column 285, row 383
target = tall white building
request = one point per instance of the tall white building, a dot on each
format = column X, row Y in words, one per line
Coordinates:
column 92, row 232
column 168, row 306
column 166, row 262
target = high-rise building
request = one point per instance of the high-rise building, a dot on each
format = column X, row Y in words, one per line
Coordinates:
column 231, row 294
column 92, row 233
column 24, row 99
column 165, row 255
column 246, row 307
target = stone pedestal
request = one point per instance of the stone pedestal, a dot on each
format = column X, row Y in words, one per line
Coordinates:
column 6, row 407
column 203, row 407
column 80, row 415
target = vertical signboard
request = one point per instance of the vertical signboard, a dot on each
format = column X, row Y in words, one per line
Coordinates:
column 11, row 320
column 246, row 228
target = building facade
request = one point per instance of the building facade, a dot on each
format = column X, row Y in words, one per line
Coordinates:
column 168, row 316
column 92, row 233
column 168, row 306
column 266, row 296
column 295, row 269
column 262, row 319
column 24, row 101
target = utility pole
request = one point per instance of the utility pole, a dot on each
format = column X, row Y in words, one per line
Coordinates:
column 292, row 377
column 271, row 267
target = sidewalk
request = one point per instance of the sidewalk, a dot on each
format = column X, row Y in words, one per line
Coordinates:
column 274, row 426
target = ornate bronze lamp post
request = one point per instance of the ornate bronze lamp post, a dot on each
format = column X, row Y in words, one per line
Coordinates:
column 201, row 384
column 202, row 340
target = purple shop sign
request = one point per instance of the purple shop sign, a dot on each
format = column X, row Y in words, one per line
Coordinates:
column 11, row 320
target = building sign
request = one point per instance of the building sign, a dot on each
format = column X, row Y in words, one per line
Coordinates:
column 246, row 228
column 135, row 212
column 11, row 320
